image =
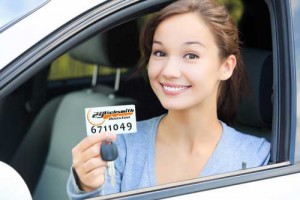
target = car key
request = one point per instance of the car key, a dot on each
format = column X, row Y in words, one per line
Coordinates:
column 109, row 152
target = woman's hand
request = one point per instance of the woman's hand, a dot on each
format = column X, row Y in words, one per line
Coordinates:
column 87, row 161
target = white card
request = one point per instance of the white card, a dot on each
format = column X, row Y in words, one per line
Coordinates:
column 117, row 119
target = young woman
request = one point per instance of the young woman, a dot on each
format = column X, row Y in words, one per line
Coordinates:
column 191, row 52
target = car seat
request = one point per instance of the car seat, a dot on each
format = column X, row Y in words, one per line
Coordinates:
column 255, row 112
column 44, row 159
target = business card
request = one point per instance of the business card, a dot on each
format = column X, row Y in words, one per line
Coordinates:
column 117, row 119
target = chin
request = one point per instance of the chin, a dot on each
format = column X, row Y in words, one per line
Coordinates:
column 174, row 106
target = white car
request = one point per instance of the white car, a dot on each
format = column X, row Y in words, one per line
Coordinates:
column 59, row 56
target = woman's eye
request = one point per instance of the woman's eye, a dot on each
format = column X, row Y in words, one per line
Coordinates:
column 191, row 56
column 159, row 53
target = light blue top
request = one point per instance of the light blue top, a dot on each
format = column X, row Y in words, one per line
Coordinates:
column 135, row 166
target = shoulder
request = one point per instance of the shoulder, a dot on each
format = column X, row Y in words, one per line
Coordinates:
column 254, row 151
column 149, row 124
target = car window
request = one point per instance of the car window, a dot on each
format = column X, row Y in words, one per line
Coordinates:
column 66, row 67
column 13, row 11
column 257, row 52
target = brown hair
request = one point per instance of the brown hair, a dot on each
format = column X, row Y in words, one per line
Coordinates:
column 226, row 37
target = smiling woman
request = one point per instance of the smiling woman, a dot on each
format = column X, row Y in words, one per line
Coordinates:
column 191, row 52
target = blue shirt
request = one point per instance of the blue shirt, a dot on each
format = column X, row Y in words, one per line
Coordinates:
column 135, row 166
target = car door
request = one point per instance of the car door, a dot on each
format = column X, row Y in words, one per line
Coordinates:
column 269, row 26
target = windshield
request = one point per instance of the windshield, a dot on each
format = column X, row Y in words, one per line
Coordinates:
column 12, row 11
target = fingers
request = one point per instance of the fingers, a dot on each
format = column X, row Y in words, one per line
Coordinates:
column 94, row 139
column 92, row 164
column 87, row 161
column 93, row 179
column 93, row 151
column 89, row 147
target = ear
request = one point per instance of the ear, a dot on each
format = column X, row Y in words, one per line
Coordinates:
column 227, row 67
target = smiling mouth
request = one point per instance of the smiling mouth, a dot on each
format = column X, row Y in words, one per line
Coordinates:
column 174, row 88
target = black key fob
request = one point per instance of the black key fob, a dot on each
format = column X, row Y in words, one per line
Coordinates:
column 109, row 151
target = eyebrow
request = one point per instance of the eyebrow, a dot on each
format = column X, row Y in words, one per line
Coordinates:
column 195, row 42
column 186, row 43
column 157, row 42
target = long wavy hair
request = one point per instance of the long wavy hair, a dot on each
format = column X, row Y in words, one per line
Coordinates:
column 226, row 37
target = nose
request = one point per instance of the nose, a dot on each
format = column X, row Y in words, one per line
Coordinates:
column 171, row 68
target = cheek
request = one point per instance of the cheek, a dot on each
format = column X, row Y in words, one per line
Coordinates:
column 202, row 74
column 153, row 69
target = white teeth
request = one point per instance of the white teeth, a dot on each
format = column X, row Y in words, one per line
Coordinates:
column 174, row 89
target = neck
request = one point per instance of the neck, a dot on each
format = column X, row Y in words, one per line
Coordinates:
column 190, row 128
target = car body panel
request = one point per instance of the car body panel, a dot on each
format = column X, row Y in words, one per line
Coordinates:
column 33, row 28
column 264, row 189
column 295, row 5
column 12, row 184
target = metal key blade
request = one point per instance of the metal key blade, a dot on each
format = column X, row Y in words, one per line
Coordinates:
column 112, row 173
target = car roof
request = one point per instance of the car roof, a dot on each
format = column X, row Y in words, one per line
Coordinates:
column 32, row 28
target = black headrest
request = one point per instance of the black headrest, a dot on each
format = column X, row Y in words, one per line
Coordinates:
column 117, row 47
column 256, row 110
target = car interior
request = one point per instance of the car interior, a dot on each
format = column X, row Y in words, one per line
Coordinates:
column 44, row 119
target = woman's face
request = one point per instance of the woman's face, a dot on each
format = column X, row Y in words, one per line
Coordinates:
column 184, row 67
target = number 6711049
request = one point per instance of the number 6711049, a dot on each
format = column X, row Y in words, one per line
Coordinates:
column 114, row 127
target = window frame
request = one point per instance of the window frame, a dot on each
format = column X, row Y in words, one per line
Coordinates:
column 295, row 9
column 284, row 117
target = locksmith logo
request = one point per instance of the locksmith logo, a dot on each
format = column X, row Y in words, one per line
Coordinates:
column 97, row 117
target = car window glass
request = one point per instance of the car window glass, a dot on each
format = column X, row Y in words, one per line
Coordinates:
column 65, row 67
column 12, row 11
column 235, row 8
